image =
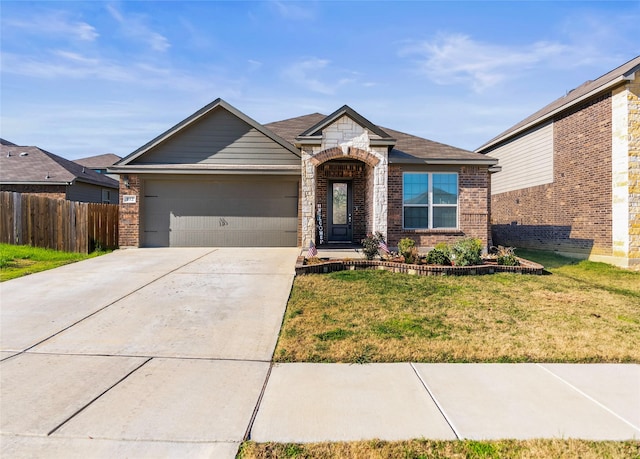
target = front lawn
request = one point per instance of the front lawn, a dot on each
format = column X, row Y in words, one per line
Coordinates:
column 580, row 312
column 20, row 260
column 464, row 449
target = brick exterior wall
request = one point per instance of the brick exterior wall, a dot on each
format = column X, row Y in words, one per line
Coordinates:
column 572, row 214
column 473, row 209
column 50, row 191
column 356, row 173
column 129, row 226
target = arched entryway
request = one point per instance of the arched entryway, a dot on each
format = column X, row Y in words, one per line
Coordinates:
column 344, row 197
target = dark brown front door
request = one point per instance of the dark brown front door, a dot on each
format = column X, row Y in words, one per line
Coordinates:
column 340, row 207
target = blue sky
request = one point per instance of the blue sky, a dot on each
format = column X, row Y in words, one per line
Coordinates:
column 86, row 78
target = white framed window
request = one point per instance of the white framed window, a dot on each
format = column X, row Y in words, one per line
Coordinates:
column 429, row 200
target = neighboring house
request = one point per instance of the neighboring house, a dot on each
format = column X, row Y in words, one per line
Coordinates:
column 33, row 170
column 100, row 163
column 570, row 179
column 219, row 178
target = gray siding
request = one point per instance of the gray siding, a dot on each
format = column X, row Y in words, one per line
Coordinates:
column 220, row 211
column 219, row 138
column 86, row 192
column 526, row 161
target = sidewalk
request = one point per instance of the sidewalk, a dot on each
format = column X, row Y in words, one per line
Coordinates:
column 339, row 402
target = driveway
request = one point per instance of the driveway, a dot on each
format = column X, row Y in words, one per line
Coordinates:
column 140, row 353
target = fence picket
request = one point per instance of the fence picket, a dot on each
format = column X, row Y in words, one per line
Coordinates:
column 54, row 223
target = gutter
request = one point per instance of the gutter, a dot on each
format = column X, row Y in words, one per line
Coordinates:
column 212, row 169
column 610, row 85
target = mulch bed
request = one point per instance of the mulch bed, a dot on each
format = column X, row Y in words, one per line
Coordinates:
column 488, row 267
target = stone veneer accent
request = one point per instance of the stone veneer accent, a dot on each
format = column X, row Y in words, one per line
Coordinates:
column 626, row 174
column 473, row 209
column 343, row 130
column 129, row 223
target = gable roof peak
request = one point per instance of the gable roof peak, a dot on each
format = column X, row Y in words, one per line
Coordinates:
column 316, row 129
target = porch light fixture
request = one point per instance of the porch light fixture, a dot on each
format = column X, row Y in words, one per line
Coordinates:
column 126, row 181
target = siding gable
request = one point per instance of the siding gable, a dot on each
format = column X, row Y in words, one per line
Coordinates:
column 526, row 161
column 218, row 138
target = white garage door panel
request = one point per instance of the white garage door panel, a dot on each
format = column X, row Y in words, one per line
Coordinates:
column 226, row 212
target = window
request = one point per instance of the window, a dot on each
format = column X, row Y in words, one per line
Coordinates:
column 106, row 196
column 429, row 200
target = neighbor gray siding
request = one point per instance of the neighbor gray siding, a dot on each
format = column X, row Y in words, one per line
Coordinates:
column 526, row 161
column 219, row 138
column 86, row 192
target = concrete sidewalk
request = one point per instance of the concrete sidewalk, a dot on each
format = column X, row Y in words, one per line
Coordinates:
column 401, row 401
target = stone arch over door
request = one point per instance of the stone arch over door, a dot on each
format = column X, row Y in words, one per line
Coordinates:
column 373, row 210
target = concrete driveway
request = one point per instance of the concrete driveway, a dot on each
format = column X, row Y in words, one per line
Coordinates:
column 140, row 353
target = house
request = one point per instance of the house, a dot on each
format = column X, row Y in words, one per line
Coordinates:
column 100, row 163
column 570, row 179
column 219, row 178
column 34, row 170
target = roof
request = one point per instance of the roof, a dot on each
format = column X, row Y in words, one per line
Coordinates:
column 216, row 104
column 6, row 142
column 408, row 148
column 585, row 91
column 33, row 165
column 345, row 110
column 99, row 161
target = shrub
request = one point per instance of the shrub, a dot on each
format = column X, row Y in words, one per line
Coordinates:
column 371, row 245
column 439, row 255
column 407, row 248
column 506, row 256
column 467, row 252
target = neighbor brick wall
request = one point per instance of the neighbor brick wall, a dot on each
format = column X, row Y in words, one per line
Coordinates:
column 129, row 227
column 473, row 209
column 50, row 191
column 572, row 214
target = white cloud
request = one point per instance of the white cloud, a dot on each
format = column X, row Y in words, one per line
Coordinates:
column 310, row 73
column 134, row 26
column 293, row 11
column 54, row 24
column 457, row 58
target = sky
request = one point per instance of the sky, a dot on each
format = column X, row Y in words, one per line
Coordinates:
column 86, row 78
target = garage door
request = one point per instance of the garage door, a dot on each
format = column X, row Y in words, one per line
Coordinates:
column 223, row 212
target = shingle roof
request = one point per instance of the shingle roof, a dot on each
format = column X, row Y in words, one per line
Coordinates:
column 586, row 89
column 408, row 148
column 6, row 142
column 33, row 165
column 99, row 161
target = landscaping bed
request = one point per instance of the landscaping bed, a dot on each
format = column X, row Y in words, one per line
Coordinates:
column 488, row 267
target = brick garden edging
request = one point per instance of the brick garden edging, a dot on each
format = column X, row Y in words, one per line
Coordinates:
column 329, row 266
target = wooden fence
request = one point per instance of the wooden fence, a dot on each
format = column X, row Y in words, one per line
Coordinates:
column 40, row 221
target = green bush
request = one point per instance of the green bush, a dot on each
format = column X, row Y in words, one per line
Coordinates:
column 507, row 256
column 371, row 245
column 467, row 252
column 407, row 248
column 439, row 255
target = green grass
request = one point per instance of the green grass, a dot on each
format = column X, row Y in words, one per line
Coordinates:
column 21, row 260
column 462, row 449
column 580, row 311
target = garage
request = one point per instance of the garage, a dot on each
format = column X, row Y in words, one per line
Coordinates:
column 220, row 211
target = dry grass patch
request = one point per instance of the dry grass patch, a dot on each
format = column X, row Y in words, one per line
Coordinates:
column 582, row 312
column 417, row 449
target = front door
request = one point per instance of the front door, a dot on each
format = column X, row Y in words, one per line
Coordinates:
column 340, row 210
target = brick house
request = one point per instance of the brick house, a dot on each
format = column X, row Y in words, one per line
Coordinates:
column 34, row 170
column 570, row 178
column 219, row 178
